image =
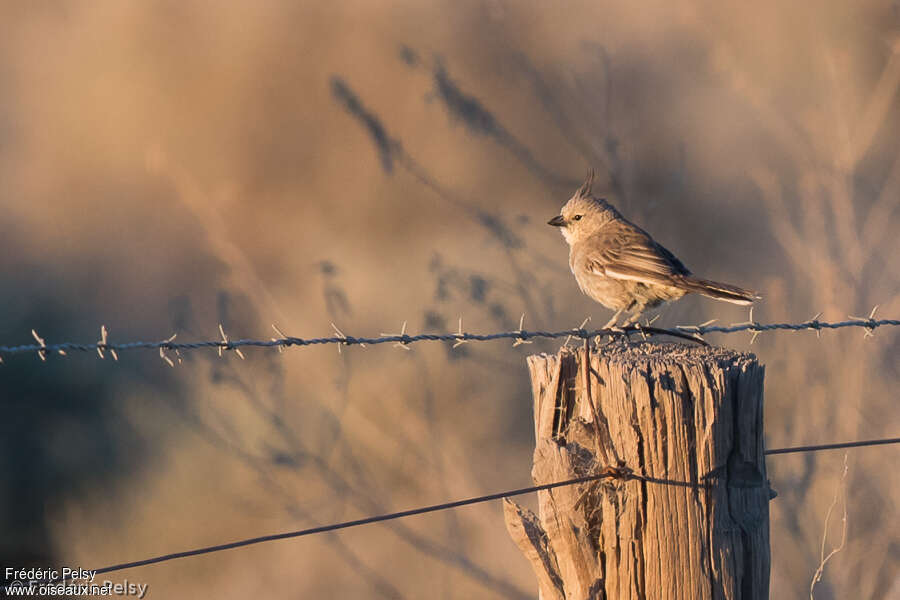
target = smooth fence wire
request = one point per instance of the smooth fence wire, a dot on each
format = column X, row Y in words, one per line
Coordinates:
column 620, row 473
column 519, row 336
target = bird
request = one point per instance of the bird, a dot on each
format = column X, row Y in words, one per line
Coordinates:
column 622, row 267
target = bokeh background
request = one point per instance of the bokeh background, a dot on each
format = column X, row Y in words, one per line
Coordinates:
column 168, row 166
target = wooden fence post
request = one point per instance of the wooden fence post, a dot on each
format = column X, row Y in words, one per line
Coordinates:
column 689, row 421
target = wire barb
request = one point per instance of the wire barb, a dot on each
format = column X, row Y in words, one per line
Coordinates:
column 640, row 330
column 581, row 331
column 43, row 350
column 403, row 342
column 226, row 345
column 167, row 344
column 696, row 330
column 753, row 326
column 461, row 337
column 522, row 338
column 869, row 323
column 103, row 344
column 346, row 340
column 340, row 334
column 814, row 324
column 282, row 341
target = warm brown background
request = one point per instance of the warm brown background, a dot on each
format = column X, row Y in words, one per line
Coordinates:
column 168, row 166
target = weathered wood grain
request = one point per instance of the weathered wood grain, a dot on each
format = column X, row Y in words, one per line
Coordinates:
column 689, row 421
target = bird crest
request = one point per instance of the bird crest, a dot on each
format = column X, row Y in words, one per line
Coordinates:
column 585, row 190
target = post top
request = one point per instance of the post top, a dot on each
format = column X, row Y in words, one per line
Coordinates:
column 642, row 352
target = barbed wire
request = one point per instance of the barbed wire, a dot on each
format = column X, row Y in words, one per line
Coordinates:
column 620, row 472
column 403, row 340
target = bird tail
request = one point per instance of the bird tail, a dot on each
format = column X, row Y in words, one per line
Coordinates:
column 719, row 291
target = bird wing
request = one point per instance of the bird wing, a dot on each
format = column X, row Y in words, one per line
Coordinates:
column 624, row 251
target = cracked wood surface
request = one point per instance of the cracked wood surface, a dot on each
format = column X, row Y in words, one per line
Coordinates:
column 689, row 421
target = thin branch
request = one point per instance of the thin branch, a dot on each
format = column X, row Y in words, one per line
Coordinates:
column 841, row 491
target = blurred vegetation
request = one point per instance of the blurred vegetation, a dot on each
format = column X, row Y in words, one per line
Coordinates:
column 165, row 167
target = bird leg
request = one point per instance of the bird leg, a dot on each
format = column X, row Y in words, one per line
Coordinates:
column 614, row 331
column 631, row 320
column 612, row 322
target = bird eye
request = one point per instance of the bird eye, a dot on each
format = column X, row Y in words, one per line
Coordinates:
column 576, row 218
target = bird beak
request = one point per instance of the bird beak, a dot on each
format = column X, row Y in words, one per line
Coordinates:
column 557, row 221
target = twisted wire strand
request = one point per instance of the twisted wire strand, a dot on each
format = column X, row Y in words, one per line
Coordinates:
column 404, row 339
